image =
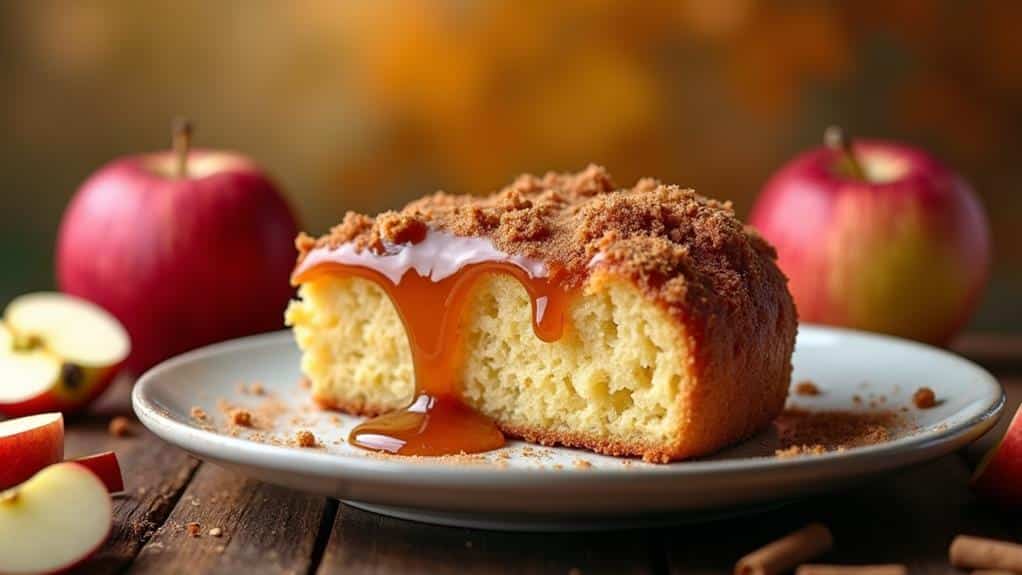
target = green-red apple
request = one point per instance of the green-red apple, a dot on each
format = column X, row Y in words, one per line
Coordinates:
column 185, row 247
column 877, row 236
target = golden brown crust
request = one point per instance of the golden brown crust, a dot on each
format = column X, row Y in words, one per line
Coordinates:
column 687, row 253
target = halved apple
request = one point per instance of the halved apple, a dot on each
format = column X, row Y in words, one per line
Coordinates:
column 28, row 444
column 57, row 353
column 53, row 521
column 999, row 475
column 106, row 467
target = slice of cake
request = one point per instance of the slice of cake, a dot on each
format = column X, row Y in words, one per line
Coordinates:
column 634, row 322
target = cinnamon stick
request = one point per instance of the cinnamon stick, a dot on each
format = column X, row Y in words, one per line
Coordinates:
column 980, row 553
column 889, row 569
column 787, row 552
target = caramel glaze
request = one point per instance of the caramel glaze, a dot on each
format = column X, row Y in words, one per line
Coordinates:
column 437, row 422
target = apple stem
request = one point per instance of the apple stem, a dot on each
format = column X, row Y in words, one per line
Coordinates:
column 834, row 138
column 182, row 139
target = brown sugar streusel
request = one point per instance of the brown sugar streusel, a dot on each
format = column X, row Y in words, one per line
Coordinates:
column 689, row 252
column 305, row 439
column 924, row 398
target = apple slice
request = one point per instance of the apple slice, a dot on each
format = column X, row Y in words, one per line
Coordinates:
column 999, row 475
column 106, row 467
column 53, row 521
column 57, row 353
column 28, row 444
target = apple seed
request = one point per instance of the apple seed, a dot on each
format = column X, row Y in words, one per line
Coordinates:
column 71, row 374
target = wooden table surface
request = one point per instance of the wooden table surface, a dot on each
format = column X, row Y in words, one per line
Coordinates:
column 908, row 517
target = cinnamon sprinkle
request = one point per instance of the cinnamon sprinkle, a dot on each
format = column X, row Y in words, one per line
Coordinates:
column 802, row 432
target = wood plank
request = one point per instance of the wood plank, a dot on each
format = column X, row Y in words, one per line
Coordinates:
column 155, row 475
column 366, row 543
column 265, row 529
column 906, row 518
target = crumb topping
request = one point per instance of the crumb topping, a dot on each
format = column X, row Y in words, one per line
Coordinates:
column 688, row 252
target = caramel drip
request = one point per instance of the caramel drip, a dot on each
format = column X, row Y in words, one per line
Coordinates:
column 437, row 422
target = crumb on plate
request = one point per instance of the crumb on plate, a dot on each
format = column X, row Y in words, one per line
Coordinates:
column 924, row 398
column 242, row 417
column 120, row 426
column 305, row 438
column 807, row 387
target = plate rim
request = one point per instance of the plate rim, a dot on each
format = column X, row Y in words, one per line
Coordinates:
column 240, row 451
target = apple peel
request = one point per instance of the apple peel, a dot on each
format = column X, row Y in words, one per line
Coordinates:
column 106, row 467
column 57, row 353
column 29, row 444
column 998, row 477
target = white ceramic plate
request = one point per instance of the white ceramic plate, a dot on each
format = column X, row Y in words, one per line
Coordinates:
column 534, row 487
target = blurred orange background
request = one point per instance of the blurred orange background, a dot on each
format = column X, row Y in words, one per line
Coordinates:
column 365, row 105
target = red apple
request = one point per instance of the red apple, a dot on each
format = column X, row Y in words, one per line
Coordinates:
column 28, row 444
column 999, row 475
column 53, row 521
column 57, row 353
column 106, row 467
column 185, row 247
column 877, row 236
